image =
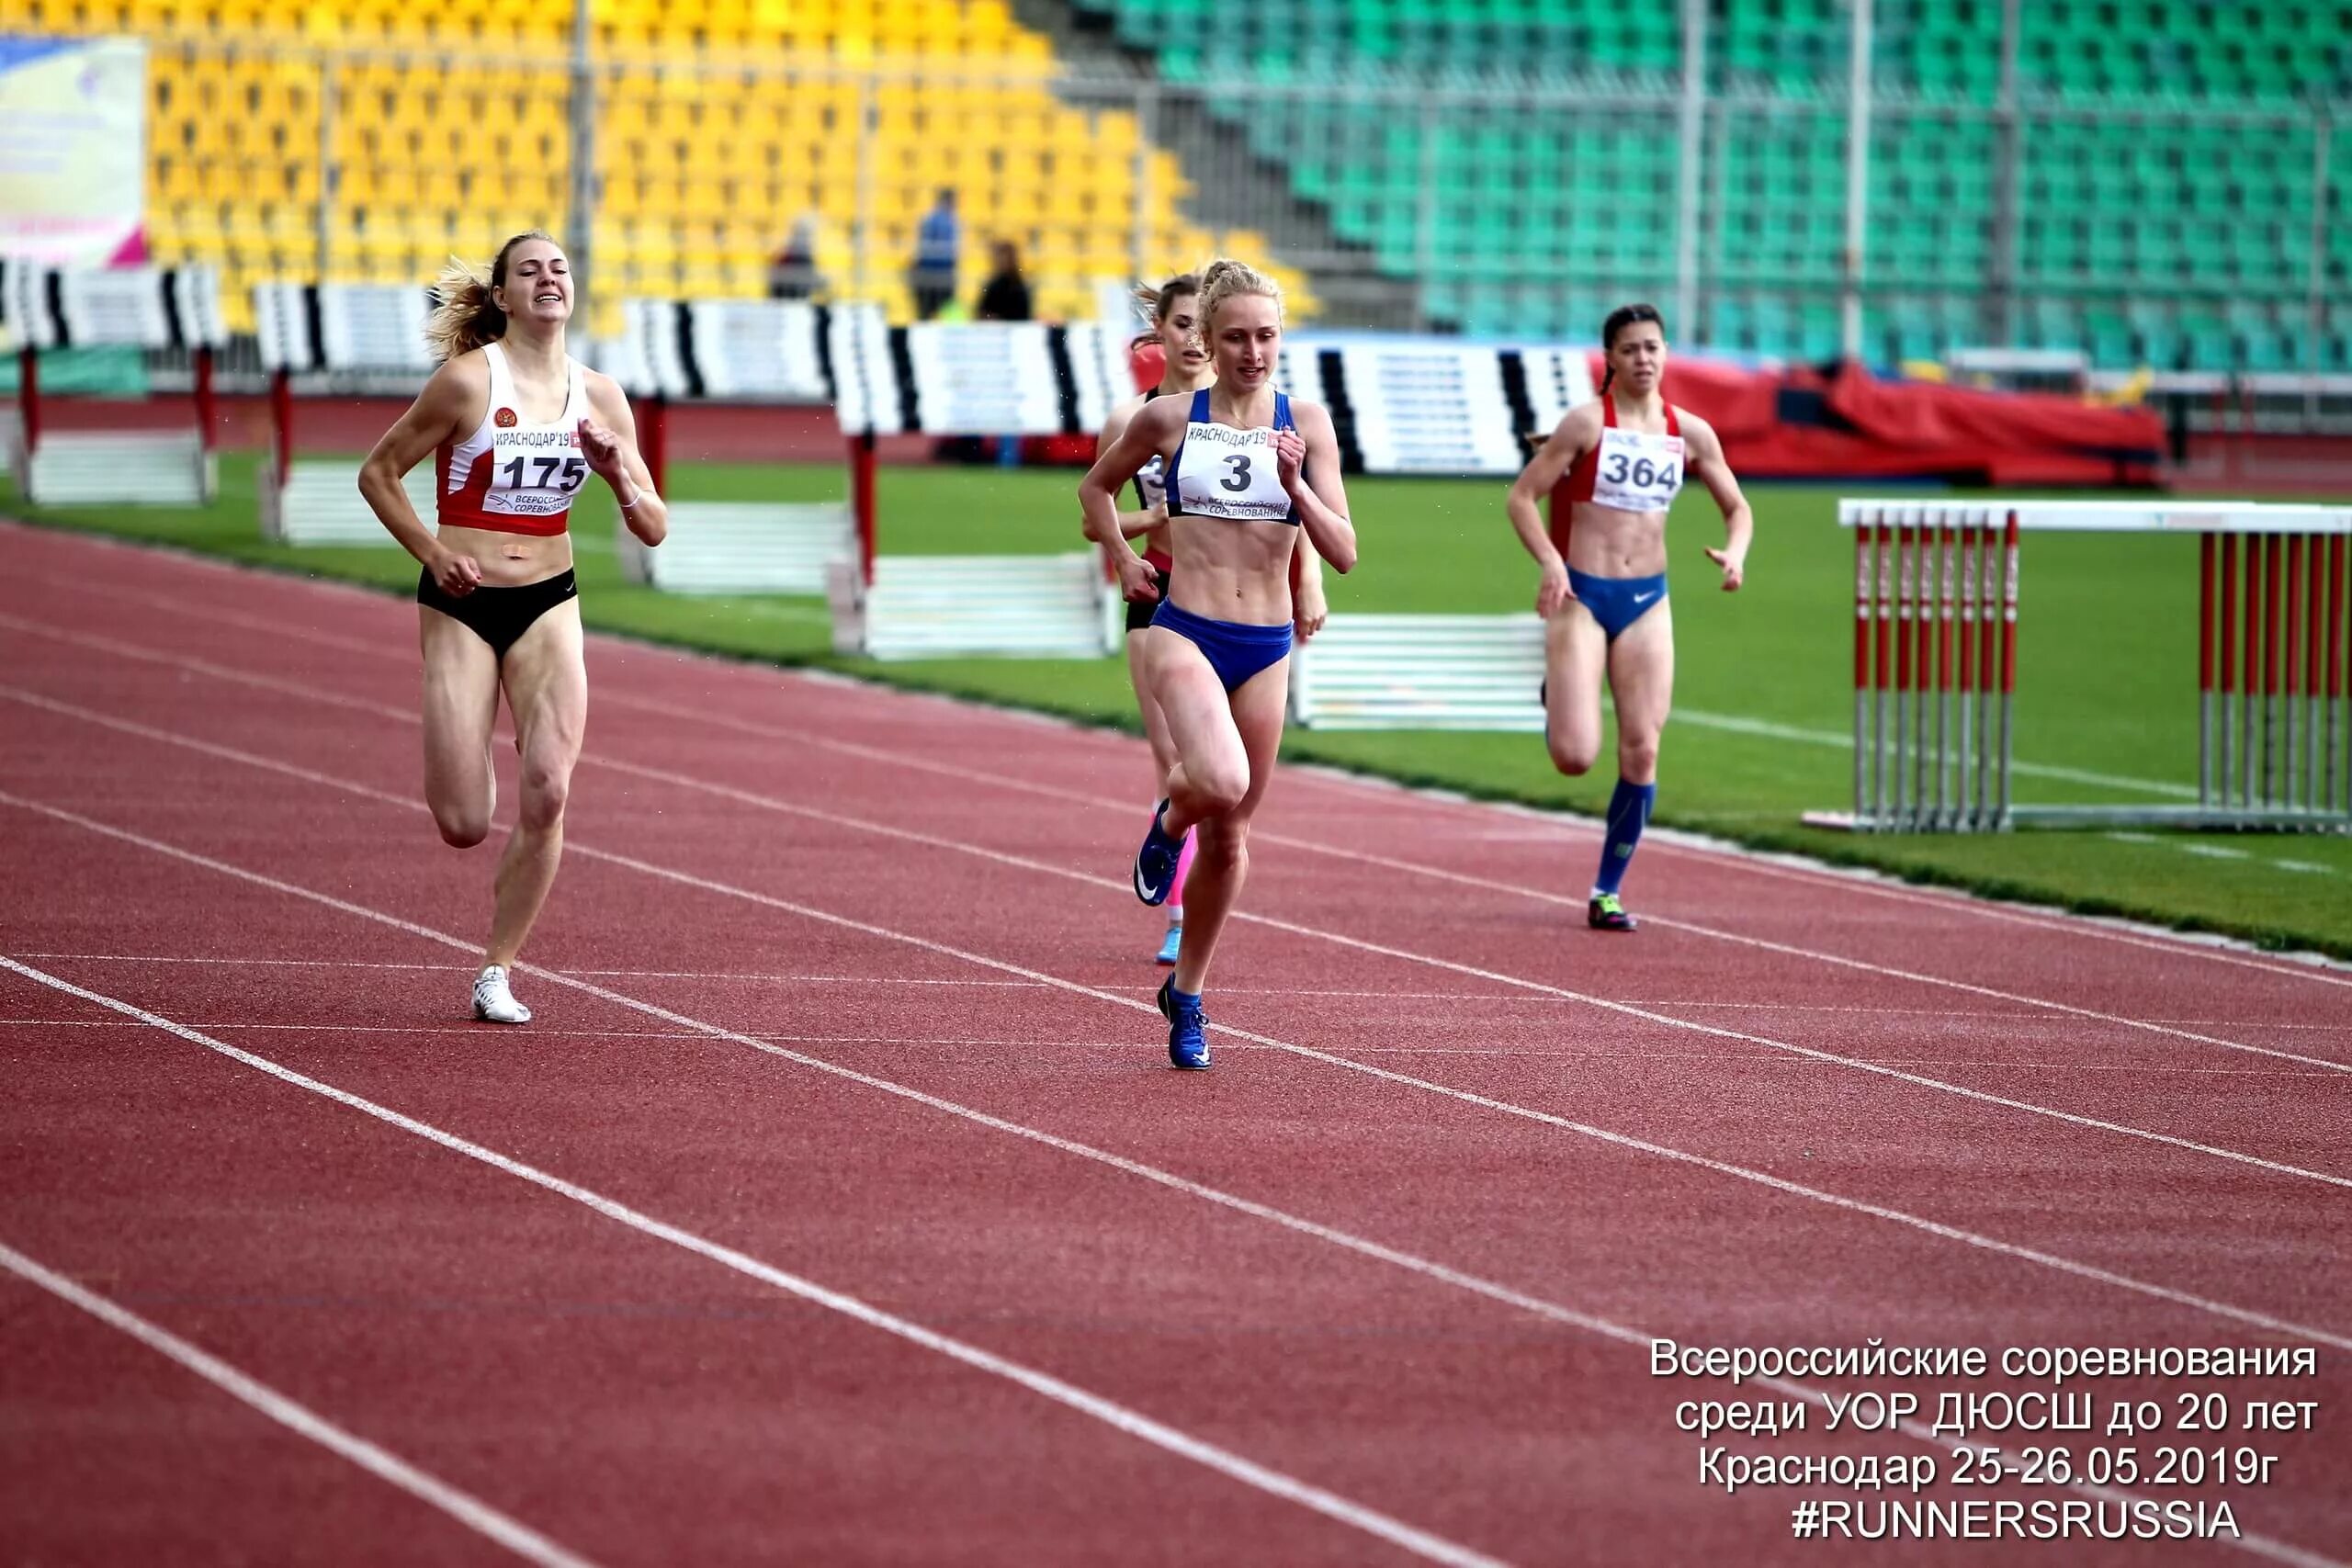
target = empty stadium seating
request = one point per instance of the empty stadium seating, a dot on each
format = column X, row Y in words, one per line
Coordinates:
column 2146, row 235
column 453, row 133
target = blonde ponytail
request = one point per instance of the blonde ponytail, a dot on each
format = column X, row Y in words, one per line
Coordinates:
column 465, row 315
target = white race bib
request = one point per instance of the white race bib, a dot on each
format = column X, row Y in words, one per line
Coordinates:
column 534, row 473
column 1151, row 483
column 1636, row 472
column 1225, row 472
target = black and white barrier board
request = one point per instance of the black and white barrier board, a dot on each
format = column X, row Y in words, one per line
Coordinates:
column 1420, row 673
column 358, row 336
column 145, row 308
column 769, row 351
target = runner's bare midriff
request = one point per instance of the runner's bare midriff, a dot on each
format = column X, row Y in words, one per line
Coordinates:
column 1606, row 542
column 509, row 560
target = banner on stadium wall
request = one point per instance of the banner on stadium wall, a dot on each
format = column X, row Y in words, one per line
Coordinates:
column 73, row 149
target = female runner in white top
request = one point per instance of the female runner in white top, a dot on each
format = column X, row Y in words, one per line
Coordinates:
column 516, row 426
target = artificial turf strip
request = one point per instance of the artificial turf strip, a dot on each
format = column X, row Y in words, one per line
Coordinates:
column 1763, row 691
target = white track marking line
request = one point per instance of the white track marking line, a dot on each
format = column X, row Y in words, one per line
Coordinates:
column 1112, row 1413
column 1515, row 998
column 2260, row 1546
column 1270, row 922
column 1760, row 862
column 1125, row 1048
column 388, row 1467
column 2190, row 847
column 476, row 1031
column 1932, row 1227
column 468, row 969
column 1770, row 731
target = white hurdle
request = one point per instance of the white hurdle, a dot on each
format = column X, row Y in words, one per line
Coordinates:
column 1420, row 673
column 756, row 350
column 718, row 546
column 952, row 606
column 144, row 308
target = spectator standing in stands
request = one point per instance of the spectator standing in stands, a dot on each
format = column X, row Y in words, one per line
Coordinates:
column 1005, row 296
column 937, row 245
column 792, row 273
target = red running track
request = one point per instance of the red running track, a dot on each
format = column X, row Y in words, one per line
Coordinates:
column 839, row 1206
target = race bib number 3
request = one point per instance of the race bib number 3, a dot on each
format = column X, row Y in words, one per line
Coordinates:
column 1637, row 472
column 1233, row 473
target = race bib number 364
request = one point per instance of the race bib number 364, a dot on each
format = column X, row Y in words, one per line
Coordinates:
column 1635, row 471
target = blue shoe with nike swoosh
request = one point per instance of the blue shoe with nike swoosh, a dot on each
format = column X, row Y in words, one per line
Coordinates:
column 1188, row 1041
column 1156, row 862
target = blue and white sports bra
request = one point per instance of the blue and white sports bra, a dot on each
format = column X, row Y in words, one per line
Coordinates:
column 1231, row 473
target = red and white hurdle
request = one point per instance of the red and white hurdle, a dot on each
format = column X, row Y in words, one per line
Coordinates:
column 118, row 462
column 1936, row 625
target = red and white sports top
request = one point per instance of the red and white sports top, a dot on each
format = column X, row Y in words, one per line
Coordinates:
column 1629, row 469
column 512, row 475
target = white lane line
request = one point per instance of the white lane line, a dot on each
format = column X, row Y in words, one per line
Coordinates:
column 1844, row 741
column 1932, row 1228
column 2016, row 1015
column 1275, row 925
column 1124, row 1049
column 383, row 1464
column 1763, row 863
column 1109, row 1412
column 238, row 961
column 2218, row 851
column 478, row 1032
column 1271, row 922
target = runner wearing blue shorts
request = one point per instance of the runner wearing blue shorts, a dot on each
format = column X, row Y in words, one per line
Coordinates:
column 1248, row 472
column 1612, row 468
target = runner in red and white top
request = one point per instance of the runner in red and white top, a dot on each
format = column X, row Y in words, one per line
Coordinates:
column 1612, row 468
column 515, row 427
column 1175, row 348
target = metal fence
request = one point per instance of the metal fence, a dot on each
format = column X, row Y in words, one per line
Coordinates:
column 1860, row 223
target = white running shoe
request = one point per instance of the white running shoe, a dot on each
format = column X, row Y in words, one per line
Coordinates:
column 493, row 1003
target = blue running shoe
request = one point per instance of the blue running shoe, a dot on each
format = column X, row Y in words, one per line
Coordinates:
column 1172, row 947
column 1188, row 1041
column 1156, row 862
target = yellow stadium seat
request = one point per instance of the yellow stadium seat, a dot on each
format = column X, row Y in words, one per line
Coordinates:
column 703, row 174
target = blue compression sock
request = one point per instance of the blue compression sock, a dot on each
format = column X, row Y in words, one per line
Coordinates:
column 1629, row 810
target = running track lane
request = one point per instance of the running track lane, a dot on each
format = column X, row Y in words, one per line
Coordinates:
column 410, row 762
column 2270, row 1111
column 1776, row 1118
column 1213, row 1298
